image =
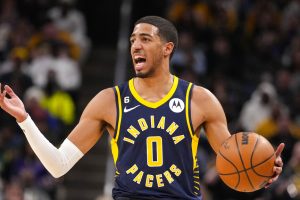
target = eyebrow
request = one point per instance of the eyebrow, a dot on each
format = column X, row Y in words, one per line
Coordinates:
column 141, row 34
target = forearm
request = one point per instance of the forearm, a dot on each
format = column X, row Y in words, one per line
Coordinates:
column 58, row 161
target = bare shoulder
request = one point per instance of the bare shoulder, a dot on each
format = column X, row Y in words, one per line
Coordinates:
column 204, row 104
column 106, row 95
column 201, row 94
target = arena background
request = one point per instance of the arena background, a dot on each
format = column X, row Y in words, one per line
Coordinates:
column 247, row 52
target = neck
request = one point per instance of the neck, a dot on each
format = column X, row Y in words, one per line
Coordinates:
column 154, row 88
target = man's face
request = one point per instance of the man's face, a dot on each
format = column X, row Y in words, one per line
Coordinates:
column 146, row 50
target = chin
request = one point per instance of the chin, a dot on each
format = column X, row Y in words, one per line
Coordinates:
column 141, row 75
column 144, row 74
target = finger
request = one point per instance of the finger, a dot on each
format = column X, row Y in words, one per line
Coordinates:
column 278, row 162
column 9, row 91
column 279, row 149
column 272, row 180
column 2, row 96
column 277, row 171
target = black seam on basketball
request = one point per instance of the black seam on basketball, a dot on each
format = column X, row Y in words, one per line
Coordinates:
column 261, row 164
column 251, row 159
column 254, row 166
column 252, row 153
column 243, row 161
column 237, row 171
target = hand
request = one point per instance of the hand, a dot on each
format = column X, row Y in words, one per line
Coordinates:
column 13, row 105
column 278, row 165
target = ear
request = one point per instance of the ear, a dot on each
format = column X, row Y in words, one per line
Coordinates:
column 168, row 48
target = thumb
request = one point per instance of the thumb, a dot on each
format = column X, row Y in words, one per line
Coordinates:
column 279, row 149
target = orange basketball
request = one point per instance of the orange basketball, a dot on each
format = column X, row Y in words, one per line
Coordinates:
column 245, row 161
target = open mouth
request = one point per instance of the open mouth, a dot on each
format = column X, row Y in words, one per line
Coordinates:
column 139, row 60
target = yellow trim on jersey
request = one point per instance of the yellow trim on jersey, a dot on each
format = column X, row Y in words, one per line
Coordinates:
column 113, row 142
column 114, row 150
column 194, row 137
column 187, row 103
column 153, row 104
column 119, row 112
column 195, row 141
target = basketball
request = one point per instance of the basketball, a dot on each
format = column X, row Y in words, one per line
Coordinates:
column 245, row 161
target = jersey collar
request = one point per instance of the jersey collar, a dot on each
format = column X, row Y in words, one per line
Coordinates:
column 153, row 104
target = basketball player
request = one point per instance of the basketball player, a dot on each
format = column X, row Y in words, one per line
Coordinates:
column 154, row 122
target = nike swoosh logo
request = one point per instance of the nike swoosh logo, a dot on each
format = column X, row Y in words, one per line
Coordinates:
column 130, row 109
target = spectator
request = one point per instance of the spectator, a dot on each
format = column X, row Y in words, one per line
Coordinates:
column 188, row 56
column 262, row 101
column 283, row 86
column 268, row 127
column 13, row 71
column 37, row 182
column 56, row 58
column 220, row 58
column 41, row 63
column 290, row 20
column 64, row 66
column 69, row 19
column 295, row 107
column 262, row 15
column 193, row 16
column 51, row 35
column 58, row 103
column 13, row 191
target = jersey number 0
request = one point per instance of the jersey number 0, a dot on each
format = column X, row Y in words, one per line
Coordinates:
column 154, row 151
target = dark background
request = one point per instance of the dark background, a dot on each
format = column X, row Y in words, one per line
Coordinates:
column 102, row 17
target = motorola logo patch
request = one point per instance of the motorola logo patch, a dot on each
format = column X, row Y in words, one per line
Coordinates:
column 176, row 105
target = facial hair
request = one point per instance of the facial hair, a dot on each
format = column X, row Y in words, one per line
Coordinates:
column 151, row 71
column 145, row 74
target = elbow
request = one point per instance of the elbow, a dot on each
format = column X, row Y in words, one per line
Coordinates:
column 56, row 173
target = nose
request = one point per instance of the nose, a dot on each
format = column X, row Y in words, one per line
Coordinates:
column 136, row 45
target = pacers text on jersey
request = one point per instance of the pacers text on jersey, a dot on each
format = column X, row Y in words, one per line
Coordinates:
column 150, row 178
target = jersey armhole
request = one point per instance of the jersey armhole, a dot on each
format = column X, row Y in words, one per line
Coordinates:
column 194, row 137
column 188, row 109
column 114, row 140
column 119, row 112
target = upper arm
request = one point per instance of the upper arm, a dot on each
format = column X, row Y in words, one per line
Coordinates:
column 211, row 115
column 96, row 115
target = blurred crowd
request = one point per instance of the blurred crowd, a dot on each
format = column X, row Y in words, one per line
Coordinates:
column 43, row 45
column 247, row 52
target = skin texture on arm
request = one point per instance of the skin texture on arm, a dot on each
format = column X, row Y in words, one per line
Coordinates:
column 99, row 114
column 207, row 111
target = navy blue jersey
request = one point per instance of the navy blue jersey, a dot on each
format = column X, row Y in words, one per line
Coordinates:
column 154, row 146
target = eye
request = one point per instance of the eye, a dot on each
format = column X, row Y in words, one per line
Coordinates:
column 132, row 40
column 146, row 39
